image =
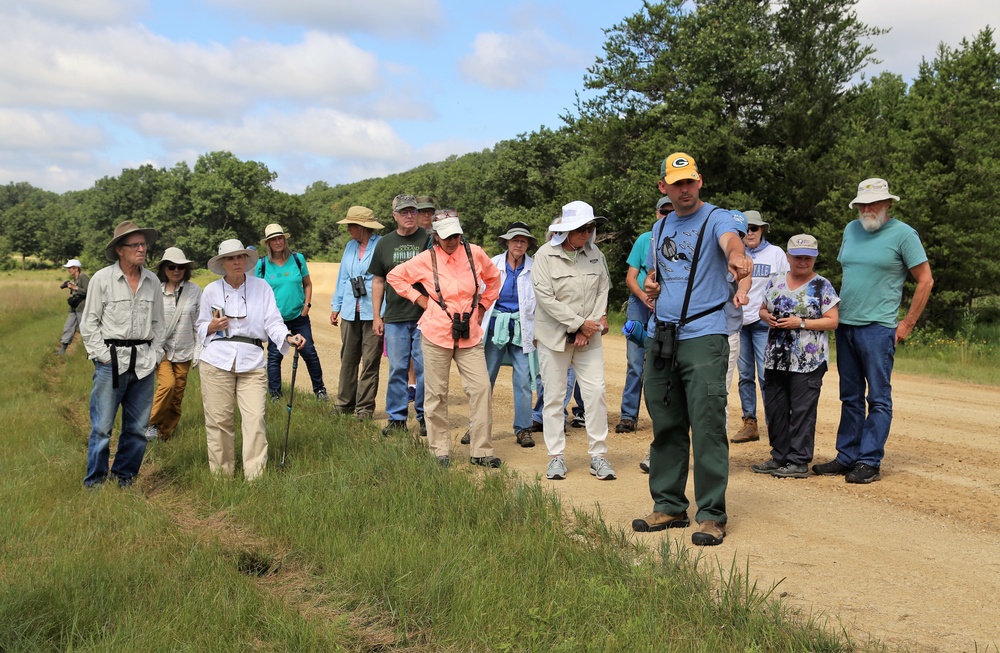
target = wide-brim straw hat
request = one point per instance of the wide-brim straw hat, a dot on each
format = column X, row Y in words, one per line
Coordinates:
column 176, row 256
column 274, row 230
column 232, row 247
column 124, row 229
column 517, row 229
column 361, row 215
column 575, row 215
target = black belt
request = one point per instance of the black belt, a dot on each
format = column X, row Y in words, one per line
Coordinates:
column 115, row 344
column 257, row 342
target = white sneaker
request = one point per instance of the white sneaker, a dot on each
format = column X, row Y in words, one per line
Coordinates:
column 557, row 469
column 152, row 433
column 601, row 468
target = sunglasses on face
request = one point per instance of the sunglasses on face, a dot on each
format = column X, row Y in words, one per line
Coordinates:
column 585, row 229
column 665, row 211
column 452, row 237
column 173, row 268
column 753, row 228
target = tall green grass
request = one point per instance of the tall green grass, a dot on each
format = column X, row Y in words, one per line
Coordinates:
column 359, row 543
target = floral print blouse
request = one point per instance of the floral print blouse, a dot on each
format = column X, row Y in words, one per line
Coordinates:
column 798, row 350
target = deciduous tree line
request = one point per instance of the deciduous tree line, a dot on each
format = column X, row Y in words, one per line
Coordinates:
column 769, row 97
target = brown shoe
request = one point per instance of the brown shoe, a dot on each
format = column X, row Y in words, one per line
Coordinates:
column 748, row 433
column 711, row 533
column 658, row 521
column 524, row 438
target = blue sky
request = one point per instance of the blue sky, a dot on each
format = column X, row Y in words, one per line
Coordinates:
column 322, row 89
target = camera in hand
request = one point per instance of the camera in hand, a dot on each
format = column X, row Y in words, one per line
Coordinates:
column 460, row 325
column 65, row 284
column 358, row 286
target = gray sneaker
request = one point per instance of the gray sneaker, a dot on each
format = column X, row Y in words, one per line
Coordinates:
column 791, row 470
column 152, row 433
column 444, row 461
column 601, row 468
column 644, row 465
column 557, row 469
column 766, row 467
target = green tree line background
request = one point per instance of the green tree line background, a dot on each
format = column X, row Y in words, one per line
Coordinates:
column 769, row 97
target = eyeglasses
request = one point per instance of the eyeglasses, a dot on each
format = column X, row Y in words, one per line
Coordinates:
column 587, row 228
column 134, row 246
column 173, row 268
column 236, row 304
column 410, row 211
column 753, row 228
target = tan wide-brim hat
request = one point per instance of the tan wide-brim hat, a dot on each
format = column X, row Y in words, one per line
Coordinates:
column 124, row 229
column 232, row 247
column 361, row 215
column 517, row 229
column 176, row 256
column 274, row 230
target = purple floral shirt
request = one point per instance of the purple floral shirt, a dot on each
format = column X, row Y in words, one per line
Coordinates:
column 798, row 350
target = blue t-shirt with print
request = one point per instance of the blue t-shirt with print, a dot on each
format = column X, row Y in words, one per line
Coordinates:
column 674, row 239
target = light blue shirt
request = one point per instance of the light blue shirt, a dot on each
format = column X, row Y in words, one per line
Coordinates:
column 343, row 301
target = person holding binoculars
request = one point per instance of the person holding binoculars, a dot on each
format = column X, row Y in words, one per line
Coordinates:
column 461, row 283
column 351, row 309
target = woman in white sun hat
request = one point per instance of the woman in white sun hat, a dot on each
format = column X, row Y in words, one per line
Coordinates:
column 238, row 315
column 181, row 299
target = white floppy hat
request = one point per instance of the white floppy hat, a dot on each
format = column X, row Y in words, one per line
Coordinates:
column 871, row 191
column 575, row 215
column 232, row 247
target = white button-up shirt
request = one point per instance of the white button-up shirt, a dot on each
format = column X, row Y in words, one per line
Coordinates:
column 252, row 312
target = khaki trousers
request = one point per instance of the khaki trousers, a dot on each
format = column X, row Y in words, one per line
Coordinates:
column 589, row 366
column 171, row 381
column 221, row 391
column 360, row 348
column 471, row 364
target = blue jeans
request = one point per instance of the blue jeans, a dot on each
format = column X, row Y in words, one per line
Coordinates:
column 299, row 326
column 865, row 356
column 753, row 340
column 135, row 396
column 521, row 376
column 402, row 342
column 636, row 356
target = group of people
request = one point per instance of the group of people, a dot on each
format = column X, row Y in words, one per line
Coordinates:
column 708, row 294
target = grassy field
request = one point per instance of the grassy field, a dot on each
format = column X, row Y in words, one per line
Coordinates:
column 360, row 543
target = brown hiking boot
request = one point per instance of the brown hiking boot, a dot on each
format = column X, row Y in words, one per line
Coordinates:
column 748, row 433
column 658, row 521
column 524, row 438
column 711, row 533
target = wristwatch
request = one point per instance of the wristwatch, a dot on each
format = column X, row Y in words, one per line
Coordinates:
column 309, row 305
column 803, row 323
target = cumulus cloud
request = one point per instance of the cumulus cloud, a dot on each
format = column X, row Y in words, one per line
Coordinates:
column 90, row 12
column 517, row 61
column 44, row 130
column 378, row 16
column 129, row 68
column 318, row 132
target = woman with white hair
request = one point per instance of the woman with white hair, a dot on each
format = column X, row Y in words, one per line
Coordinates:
column 571, row 282
column 181, row 299
column 461, row 283
column 238, row 315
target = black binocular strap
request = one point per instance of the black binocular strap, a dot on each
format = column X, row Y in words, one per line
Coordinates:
column 437, row 285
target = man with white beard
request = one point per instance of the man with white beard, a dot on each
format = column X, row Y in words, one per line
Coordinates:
column 875, row 254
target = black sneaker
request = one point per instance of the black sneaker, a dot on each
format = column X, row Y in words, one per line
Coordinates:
column 486, row 461
column 467, row 438
column 863, row 473
column 394, row 426
column 322, row 396
column 766, row 467
column 275, row 396
column 832, row 468
column 423, row 428
column 578, row 422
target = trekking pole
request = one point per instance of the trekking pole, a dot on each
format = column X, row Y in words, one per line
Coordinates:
column 291, row 398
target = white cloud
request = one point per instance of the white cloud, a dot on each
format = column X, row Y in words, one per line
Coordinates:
column 90, row 12
column 401, row 17
column 517, row 61
column 44, row 130
column 918, row 26
column 316, row 132
column 128, row 68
